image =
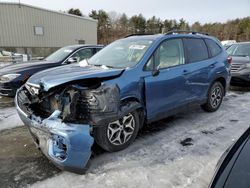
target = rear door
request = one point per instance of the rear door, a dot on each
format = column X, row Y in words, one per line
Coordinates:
column 165, row 88
column 198, row 67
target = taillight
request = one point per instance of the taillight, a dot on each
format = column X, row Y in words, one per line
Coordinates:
column 229, row 60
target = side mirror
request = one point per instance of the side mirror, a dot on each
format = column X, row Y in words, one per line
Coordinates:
column 155, row 72
column 72, row 60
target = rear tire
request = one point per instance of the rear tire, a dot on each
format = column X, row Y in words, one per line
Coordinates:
column 215, row 97
column 119, row 134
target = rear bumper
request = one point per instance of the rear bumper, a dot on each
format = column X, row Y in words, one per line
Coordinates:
column 67, row 145
column 240, row 79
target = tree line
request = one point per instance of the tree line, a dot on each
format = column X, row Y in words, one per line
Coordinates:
column 112, row 26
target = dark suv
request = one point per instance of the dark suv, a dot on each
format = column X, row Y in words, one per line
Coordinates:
column 135, row 80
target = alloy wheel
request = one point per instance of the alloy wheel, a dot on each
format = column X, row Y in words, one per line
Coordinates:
column 216, row 97
column 120, row 131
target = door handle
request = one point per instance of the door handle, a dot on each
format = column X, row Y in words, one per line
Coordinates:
column 212, row 65
column 185, row 72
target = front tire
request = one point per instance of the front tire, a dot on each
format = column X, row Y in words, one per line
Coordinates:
column 119, row 134
column 215, row 97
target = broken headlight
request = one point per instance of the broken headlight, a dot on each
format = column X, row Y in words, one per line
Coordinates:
column 33, row 90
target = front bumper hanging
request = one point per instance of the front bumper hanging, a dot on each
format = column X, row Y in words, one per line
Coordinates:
column 67, row 145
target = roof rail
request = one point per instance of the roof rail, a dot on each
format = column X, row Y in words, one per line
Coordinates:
column 138, row 34
column 185, row 31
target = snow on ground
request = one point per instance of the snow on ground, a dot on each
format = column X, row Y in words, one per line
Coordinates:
column 9, row 118
column 157, row 159
column 3, row 64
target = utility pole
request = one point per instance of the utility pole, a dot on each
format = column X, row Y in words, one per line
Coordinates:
column 19, row 3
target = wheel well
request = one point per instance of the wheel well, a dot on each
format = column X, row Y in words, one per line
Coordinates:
column 222, row 81
column 130, row 99
column 141, row 110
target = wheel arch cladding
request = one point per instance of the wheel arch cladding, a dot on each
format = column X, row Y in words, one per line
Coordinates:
column 222, row 81
column 135, row 104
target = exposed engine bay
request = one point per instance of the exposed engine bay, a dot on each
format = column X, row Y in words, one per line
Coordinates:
column 93, row 105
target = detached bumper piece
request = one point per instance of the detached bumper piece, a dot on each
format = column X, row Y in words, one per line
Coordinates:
column 67, row 145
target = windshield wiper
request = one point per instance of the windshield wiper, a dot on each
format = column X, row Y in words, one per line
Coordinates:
column 99, row 65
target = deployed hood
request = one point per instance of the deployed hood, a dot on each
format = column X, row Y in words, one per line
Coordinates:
column 26, row 67
column 60, row 75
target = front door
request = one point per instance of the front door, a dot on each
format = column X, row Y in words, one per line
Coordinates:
column 166, row 88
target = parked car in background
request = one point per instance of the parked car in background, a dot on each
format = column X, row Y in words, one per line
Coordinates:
column 14, row 76
column 227, row 43
column 240, row 67
column 109, row 97
column 233, row 168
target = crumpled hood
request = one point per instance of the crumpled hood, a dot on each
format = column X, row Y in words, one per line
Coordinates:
column 26, row 67
column 60, row 75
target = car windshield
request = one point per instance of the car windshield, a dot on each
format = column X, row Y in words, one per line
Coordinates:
column 60, row 54
column 239, row 50
column 122, row 53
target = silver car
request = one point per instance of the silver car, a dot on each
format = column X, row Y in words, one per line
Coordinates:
column 240, row 67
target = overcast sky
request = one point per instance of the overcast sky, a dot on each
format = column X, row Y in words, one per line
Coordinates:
column 191, row 10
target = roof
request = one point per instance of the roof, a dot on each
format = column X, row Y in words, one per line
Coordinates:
column 47, row 10
column 246, row 42
column 83, row 45
column 145, row 36
column 169, row 35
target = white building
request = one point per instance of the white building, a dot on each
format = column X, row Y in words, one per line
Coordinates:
column 38, row 31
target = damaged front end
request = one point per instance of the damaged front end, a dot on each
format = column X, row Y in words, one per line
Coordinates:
column 61, row 120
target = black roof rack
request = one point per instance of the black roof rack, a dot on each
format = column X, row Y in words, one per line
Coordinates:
column 138, row 34
column 185, row 31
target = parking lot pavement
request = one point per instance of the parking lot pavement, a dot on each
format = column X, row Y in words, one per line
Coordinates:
column 20, row 162
column 176, row 152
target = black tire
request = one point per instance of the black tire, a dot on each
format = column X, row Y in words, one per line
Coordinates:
column 214, row 101
column 102, row 134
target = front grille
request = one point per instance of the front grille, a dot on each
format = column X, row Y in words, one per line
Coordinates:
column 235, row 67
column 22, row 100
column 39, row 109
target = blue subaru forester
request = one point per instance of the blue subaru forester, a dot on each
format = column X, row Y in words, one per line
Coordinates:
column 108, row 98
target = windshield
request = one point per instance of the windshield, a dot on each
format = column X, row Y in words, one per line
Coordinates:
column 122, row 53
column 60, row 54
column 239, row 50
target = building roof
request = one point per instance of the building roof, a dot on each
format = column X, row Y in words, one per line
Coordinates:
column 47, row 10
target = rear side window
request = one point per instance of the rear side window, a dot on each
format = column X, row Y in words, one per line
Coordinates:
column 214, row 48
column 196, row 49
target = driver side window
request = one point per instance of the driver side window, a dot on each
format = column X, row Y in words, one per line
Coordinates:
column 170, row 53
